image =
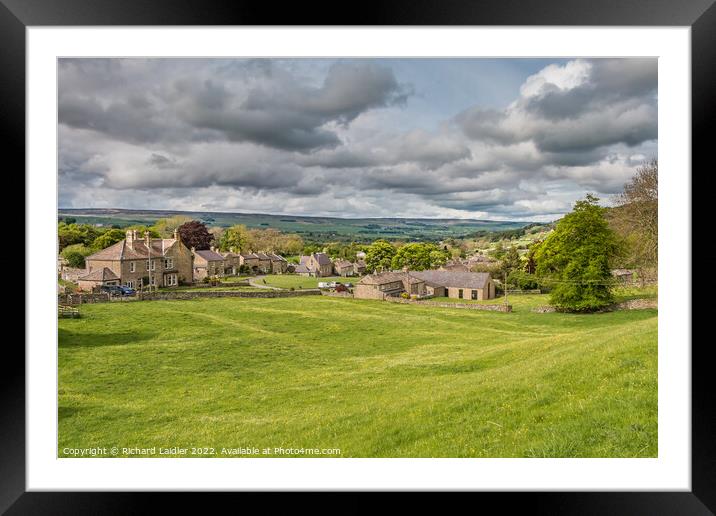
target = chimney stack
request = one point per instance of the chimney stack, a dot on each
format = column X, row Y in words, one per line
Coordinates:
column 176, row 234
column 147, row 238
column 130, row 238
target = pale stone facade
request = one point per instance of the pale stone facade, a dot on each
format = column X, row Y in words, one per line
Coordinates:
column 139, row 262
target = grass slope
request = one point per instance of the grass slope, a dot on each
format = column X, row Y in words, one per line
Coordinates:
column 371, row 378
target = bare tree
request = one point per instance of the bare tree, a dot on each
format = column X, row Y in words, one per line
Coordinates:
column 637, row 214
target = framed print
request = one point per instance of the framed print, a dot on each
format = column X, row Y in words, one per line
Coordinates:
column 415, row 250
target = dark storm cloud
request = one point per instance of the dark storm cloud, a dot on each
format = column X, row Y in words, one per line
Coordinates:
column 343, row 137
column 276, row 110
column 288, row 116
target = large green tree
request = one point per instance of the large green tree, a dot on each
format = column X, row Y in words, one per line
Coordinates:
column 236, row 237
column 574, row 260
column 70, row 234
column 379, row 255
column 511, row 261
column 419, row 257
column 109, row 237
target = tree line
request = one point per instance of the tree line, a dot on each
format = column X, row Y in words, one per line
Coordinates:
column 575, row 261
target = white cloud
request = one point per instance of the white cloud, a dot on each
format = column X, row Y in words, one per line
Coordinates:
column 338, row 137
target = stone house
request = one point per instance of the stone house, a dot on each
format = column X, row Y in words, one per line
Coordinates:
column 343, row 267
column 207, row 263
column 302, row 268
column 359, row 267
column 97, row 278
column 72, row 274
column 264, row 263
column 279, row 264
column 459, row 284
column 250, row 260
column 317, row 264
column 434, row 283
column 389, row 284
column 137, row 261
column 456, row 266
column 232, row 262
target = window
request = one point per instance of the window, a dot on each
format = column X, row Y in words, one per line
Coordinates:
column 130, row 284
column 131, row 266
column 459, row 293
column 170, row 280
column 152, row 280
column 169, row 263
column 147, row 264
column 474, row 294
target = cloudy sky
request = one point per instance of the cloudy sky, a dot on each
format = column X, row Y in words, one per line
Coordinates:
column 506, row 139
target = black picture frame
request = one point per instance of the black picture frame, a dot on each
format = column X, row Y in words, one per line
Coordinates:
column 700, row 15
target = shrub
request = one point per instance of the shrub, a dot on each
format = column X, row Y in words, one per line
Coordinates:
column 405, row 295
column 75, row 255
column 522, row 280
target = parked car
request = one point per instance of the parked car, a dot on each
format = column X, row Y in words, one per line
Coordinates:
column 118, row 290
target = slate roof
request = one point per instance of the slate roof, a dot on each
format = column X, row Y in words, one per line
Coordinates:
column 103, row 274
column 138, row 250
column 480, row 258
column 301, row 268
column 455, row 279
column 322, row 258
column 209, row 255
column 455, row 267
column 262, row 256
column 382, row 278
column 342, row 263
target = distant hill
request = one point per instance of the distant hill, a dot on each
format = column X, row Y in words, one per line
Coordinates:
column 310, row 228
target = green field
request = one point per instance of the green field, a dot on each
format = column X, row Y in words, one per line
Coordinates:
column 372, row 379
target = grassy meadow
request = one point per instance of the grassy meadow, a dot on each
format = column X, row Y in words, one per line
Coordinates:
column 372, row 379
